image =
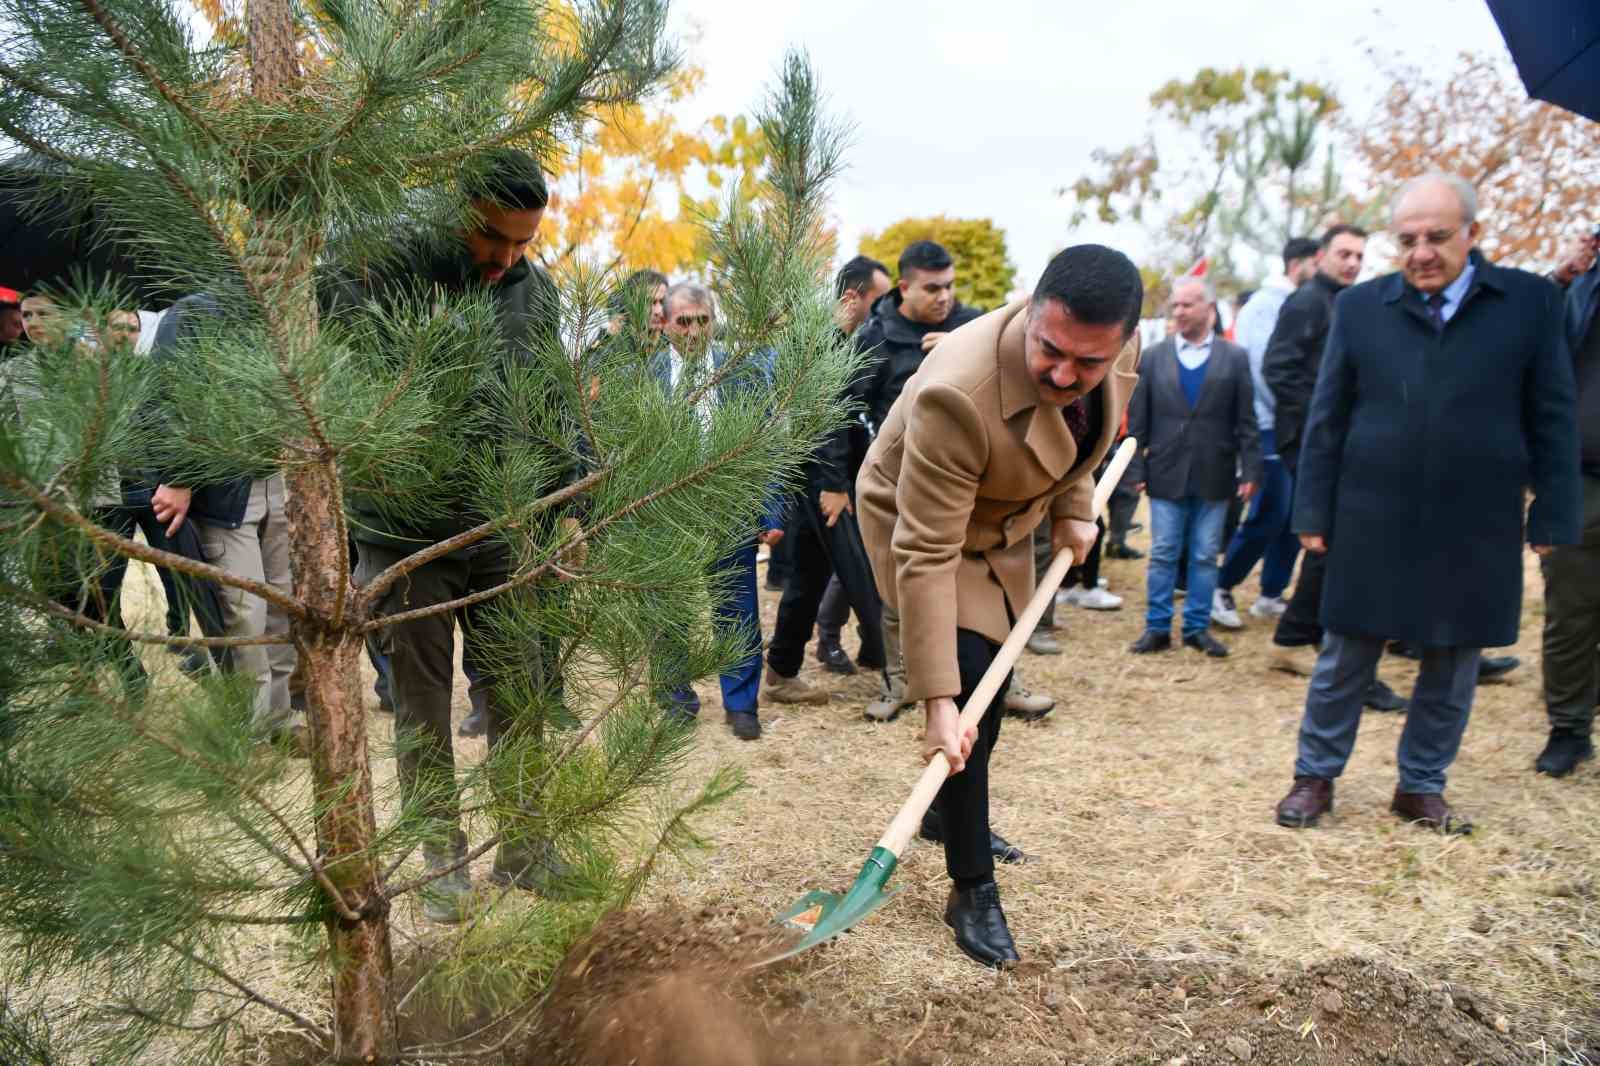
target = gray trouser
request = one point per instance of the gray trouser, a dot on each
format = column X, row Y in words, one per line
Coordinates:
column 258, row 549
column 422, row 664
column 1441, row 702
column 894, row 668
column 1572, row 623
column 1042, row 558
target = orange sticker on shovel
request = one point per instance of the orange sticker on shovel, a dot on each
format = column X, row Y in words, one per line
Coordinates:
column 808, row 919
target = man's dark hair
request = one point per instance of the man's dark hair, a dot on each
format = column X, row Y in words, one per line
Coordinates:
column 508, row 177
column 1099, row 285
column 856, row 275
column 925, row 255
column 1298, row 248
column 1339, row 231
column 636, row 286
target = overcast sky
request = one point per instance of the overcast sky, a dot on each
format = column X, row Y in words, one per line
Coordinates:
column 982, row 108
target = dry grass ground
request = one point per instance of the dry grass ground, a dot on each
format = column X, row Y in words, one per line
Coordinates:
column 1146, row 799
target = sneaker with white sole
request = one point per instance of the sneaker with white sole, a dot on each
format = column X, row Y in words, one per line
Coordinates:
column 1098, row 599
column 1269, row 607
column 1223, row 611
column 1069, row 597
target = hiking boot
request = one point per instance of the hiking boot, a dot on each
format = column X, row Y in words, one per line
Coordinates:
column 1307, row 801
column 780, row 689
column 744, row 724
column 1564, row 751
column 980, row 925
column 1028, row 706
column 445, row 899
column 533, row 866
column 1297, row 660
column 1224, row 612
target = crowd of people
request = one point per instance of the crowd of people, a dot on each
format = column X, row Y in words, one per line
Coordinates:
column 1385, row 435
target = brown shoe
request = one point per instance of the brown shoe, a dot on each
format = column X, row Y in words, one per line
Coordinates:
column 1308, row 800
column 780, row 689
column 1429, row 810
column 1299, row 660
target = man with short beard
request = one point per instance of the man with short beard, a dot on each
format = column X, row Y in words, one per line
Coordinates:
column 1002, row 428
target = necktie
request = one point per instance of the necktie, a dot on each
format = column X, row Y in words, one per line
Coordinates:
column 1436, row 309
column 1077, row 418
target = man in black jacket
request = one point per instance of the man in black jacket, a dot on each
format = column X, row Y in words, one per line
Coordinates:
column 1572, row 573
column 825, row 541
column 1193, row 414
column 1289, row 368
column 508, row 200
column 905, row 325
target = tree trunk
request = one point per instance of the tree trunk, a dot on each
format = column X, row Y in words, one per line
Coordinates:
column 364, row 1028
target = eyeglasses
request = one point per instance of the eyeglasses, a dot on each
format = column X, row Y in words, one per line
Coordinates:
column 685, row 321
column 1433, row 238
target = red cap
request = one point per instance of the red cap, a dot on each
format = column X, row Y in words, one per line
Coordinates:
column 10, row 296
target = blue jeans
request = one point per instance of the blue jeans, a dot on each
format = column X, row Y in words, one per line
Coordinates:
column 1441, row 702
column 1196, row 523
column 739, row 610
column 1265, row 532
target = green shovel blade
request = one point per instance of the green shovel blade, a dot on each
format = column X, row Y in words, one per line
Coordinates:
column 821, row 916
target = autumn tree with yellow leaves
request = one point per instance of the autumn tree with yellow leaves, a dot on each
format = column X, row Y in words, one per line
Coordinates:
column 985, row 274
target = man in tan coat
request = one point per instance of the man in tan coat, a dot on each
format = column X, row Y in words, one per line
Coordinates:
column 1000, row 428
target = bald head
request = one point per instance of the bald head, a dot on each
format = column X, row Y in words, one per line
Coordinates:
column 1192, row 300
column 1435, row 226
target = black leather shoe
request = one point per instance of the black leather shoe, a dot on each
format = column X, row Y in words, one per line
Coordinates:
column 1118, row 550
column 980, row 925
column 1493, row 667
column 1203, row 641
column 1380, row 697
column 833, row 659
column 1150, row 641
column 1405, row 649
column 1002, row 849
column 1565, row 750
column 475, row 724
column 745, row 725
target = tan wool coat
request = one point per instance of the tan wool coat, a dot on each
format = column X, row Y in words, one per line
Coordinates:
column 965, row 466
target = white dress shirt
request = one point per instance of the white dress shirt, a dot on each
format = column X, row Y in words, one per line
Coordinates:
column 1193, row 356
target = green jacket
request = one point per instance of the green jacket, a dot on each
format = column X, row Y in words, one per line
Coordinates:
column 528, row 310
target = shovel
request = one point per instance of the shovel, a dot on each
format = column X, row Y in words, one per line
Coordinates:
column 821, row 916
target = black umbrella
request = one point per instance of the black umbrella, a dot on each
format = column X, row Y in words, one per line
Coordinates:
column 1556, row 46
column 46, row 239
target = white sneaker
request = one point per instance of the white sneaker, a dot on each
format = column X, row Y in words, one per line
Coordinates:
column 1223, row 612
column 1068, row 597
column 1269, row 607
column 1098, row 600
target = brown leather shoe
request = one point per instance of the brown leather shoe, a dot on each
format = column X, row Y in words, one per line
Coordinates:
column 1308, row 800
column 1429, row 810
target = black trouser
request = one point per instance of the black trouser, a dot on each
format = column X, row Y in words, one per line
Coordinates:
column 1301, row 623
column 1123, row 503
column 1572, row 623
column 1088, row 574
column 963, row 800
column 818, row 551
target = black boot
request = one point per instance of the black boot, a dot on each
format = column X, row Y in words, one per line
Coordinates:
column 980, row 925
column 1565, row 750
column 833, row 658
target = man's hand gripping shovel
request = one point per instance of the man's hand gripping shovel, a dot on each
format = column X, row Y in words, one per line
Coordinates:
column 821, row 916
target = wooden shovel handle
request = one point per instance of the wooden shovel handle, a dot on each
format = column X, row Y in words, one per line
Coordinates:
column 905, row 823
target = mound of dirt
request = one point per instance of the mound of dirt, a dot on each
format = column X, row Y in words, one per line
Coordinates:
column 1129, row 1012
column 674, row 988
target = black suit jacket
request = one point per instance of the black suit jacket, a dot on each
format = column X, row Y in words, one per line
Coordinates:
column 1198, row 452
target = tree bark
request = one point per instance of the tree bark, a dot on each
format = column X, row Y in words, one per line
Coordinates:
column 279, row 273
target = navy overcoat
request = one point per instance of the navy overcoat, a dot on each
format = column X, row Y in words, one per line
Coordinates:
column 1419, row 448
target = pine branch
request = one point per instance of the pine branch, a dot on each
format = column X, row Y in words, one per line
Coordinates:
column 372, row 590
column 130, row 52
column 255, row 997
column 43, row 605
column 32, row 143
column 132, row 549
